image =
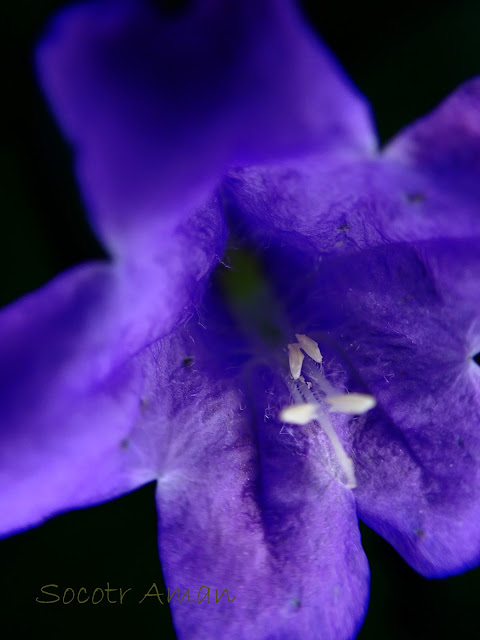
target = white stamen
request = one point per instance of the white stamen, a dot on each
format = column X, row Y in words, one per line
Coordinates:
column 342, row 456
column 354, row 403
column 302, row 414
column 299, row 413
column 310, row 347
column 295, row 360
column 321, row 381
column 308, row 401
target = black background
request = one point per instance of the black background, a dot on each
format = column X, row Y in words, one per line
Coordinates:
column 405, row 57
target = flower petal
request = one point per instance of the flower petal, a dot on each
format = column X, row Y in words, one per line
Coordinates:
column 239, row 508
column 405, row 323
column 70, row 390
column 156, row 106
column 63, row 420
column 445, row 145
column 335, row 205
column 325, row 203
column 422, row 490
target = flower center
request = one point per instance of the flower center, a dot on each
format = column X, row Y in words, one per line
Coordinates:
column 261, row 319
column 315, row 397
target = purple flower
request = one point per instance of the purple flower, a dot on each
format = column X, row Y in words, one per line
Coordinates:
column 362, row 276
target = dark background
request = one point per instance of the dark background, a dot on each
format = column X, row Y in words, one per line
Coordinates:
column 405, row 57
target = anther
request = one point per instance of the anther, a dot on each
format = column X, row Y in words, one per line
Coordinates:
column 352, row 403
column 295, row 360
column 310, row 347
column 299, row 413
column 308, row 408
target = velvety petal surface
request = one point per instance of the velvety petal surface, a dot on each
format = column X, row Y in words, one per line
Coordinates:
column 62, row 418
column 70, row 390
column 336, row 205
column 424, row 185
column 445, row 145
column 404, row 320
column 156, row 105
column 241, row 505
column 422, row 490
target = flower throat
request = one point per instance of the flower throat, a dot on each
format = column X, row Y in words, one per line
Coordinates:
column 260, row 317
